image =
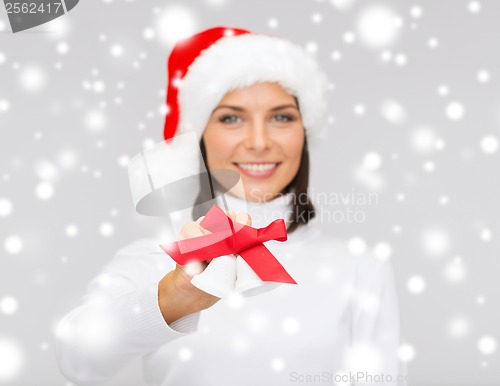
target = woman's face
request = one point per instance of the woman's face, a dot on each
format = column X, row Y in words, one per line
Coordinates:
column 258, row 132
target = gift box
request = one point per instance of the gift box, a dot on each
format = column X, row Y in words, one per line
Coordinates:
column 170, row 179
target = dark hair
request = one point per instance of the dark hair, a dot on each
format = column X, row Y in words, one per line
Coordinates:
column 302, row 209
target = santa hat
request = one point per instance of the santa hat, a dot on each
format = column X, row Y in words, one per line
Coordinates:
column 206, row 66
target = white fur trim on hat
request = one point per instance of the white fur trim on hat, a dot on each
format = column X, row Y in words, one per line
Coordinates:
column 240, row 61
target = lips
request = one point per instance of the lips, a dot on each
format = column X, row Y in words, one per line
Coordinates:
column 257, row 169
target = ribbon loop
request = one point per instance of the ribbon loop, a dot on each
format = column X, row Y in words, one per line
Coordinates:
column 230, row 237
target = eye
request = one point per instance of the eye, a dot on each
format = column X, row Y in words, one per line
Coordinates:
column 229, row 118
column 284, row 118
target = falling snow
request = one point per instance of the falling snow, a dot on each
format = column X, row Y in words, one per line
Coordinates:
column 4, row 105
column 489, row 144
column 44, row 191
column 291, row 325
column 393, row 111
column 423, row 139
column 356, row 245
column 382, row 251
column 13, row 245
column 455, row 111
column 12, row 360
column 436, row 242
column 6, row 207
column 176, row 22
column 416, row 284
column 413, row 117
column 372, row 161
column 406, row 352
column 33, row 79
column 378, row 26
column 8, row 305
column 458, row 327
column 487, row 345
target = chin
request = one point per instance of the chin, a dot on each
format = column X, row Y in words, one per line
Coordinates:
column 260, row 195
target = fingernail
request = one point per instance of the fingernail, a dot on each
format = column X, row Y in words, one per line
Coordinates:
column 242, row 218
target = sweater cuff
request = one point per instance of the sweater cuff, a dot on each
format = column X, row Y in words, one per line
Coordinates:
column 148, row 320
column 187, row 324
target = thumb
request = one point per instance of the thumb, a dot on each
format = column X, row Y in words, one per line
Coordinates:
column 192, row 269
column 243, row 218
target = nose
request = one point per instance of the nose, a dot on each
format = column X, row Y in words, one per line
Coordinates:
column 258, row 136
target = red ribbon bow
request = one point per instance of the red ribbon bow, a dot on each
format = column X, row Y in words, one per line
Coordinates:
column 230, row 237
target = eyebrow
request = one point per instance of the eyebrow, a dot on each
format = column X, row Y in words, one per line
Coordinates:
column 241, row 109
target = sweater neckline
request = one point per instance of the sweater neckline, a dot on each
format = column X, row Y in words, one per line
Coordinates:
column 264, row 212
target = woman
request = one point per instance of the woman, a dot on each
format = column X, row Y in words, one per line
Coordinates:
column 256, row 101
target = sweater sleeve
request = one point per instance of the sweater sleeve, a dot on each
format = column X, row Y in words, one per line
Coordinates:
column 118, row 318
column 375, row 334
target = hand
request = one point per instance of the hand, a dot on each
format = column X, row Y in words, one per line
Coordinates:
column 177, row 297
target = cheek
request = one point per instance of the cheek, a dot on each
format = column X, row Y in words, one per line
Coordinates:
column 218, row 148
column 294, row 149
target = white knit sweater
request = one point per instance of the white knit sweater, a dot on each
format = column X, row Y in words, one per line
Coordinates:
column 338, row 325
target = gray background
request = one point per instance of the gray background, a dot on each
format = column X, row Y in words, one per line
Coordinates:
column 72, row 112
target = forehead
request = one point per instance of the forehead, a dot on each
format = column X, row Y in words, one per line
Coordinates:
column 259, row 93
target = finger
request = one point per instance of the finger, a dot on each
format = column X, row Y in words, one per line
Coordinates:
column 231, row 214
column 192, row 269
column 190, row 230
column 243, row 218
column 183, row 267
column 203, row 230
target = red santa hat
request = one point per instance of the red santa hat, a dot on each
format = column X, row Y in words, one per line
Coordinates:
column 206, row 66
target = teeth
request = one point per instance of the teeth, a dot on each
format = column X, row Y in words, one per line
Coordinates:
column 257, row 167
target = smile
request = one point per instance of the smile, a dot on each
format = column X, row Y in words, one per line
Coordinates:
column 259, row 170
column 257, row 167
